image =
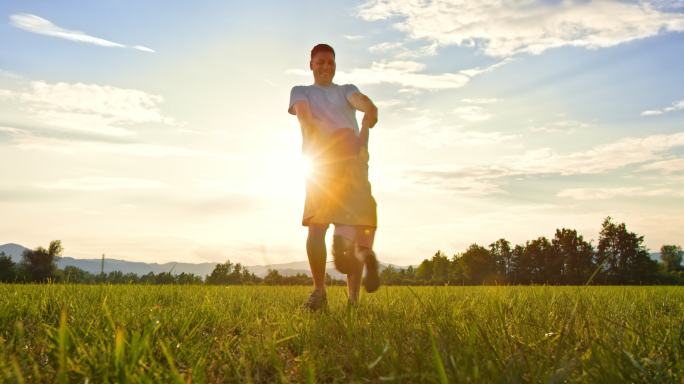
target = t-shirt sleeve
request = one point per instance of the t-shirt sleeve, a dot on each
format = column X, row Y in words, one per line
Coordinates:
column 350, row 89
column 296, row 94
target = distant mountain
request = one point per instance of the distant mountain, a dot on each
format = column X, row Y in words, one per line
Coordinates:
column 140, row 268
column 13, row 250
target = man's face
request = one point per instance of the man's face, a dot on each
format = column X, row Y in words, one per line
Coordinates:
column 323, row 67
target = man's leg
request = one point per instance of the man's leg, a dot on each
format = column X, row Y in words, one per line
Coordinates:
column 315, row 250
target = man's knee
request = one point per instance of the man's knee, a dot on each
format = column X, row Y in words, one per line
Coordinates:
column 343, row 255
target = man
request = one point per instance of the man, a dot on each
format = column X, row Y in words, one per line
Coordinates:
column 338, row 190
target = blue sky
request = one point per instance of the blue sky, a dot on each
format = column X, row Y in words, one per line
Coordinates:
column 158, row 131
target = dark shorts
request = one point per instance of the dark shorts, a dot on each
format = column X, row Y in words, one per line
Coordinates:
column 338, row 190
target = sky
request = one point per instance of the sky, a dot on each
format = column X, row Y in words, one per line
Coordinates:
column 158, row 131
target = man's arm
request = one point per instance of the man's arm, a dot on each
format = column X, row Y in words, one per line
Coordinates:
column 307, row 122
column 305, row 117
column 364, row 104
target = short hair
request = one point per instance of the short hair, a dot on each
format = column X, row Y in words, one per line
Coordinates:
column 322, row 48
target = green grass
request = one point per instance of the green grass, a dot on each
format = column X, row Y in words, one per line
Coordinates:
column 180, row 334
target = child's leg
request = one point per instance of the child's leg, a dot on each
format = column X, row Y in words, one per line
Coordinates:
column 365, row 236
column 344, row 250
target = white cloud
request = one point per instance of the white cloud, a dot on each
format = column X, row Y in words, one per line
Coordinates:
column 25, row 140
column 100, row 109
column 385, row 47
column 610, row 193
column 676, row 106
column 97, row 183
column 544, row 161
column 10, row 75
column 445, row 181
column 562, row 126
column 400, row 50
column 504, row 28
column 353, row 37
column 602, row 158
column 41, row 26
column 407, row 74
column 480, row 100
column 445, row 137
column 669, row 166
column 389, row 103
column 430, row 130
column 472, row 113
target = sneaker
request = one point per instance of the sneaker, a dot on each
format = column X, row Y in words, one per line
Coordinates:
column 316, row 301
column 372, row 281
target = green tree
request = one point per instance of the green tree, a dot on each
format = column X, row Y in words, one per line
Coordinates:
column 503, row 257
column 273, row 277
column 424, row 271
column 440, row 268
column 188, row 279
column 521, row 266
column 220, row 273
column 8, row 272
column 479, row 266
column 671, row 255
column 543, row 266
column 576, row 255
column 40, row 263
column 622, row 257
column 76, row 275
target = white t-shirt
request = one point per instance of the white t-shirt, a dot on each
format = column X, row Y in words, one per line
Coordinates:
column 329, row 104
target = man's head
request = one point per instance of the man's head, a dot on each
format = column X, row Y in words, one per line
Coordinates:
column 322, row 64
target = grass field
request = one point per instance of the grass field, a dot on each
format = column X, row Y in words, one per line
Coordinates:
column 165, row 334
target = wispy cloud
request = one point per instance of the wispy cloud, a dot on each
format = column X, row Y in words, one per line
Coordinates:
column 353, row 37
column 502, row 29
column 99, row 183
column 388, row 103
column 676, row 106
column 9, row 74
column 560, row 126
column 445, row 181
column 602, row 158
column 41, row 26
column 26, row 140
column 99, row 109
column 407, row 74
column 483, row 100
column 433, row 130
column 668, row 166
column 610, row 193
column 544, row 161
column 472, row 113
column 401, row 50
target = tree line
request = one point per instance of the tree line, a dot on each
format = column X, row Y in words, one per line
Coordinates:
column 619, row 258
column 39, row 266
